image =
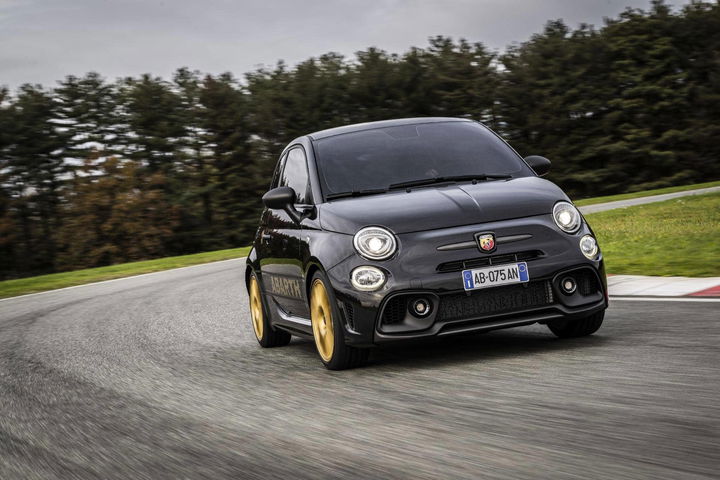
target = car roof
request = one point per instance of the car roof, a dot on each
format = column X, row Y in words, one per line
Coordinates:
column 359, row 127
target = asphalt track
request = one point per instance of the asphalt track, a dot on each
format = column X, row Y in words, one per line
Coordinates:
column 631, row 202
column 159, row 376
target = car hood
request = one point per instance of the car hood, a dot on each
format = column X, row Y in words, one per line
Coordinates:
column 442, row 207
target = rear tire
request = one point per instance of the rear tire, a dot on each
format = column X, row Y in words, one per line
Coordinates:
column 328, row 329
column 266, row 336
column 577, row 328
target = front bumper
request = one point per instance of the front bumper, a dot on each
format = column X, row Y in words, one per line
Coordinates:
column 421, row 270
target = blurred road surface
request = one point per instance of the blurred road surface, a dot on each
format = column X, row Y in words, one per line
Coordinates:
column 159, row 376
column 601, row 207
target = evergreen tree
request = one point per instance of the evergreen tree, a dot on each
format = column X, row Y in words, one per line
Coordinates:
column 462, row 78
column 8, row 228
column 33, row 168
column 374, row 86
column 87, row 111
column 156, row 142
column 238, row 178
column 696, row 37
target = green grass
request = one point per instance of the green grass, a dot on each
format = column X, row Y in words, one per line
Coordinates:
column 646, row 193
column 675, row 237
column 11, row 288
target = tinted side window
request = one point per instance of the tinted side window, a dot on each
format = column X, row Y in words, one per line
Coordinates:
column 295, row 175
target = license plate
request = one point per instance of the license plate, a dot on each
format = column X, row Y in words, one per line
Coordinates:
column 494, row 276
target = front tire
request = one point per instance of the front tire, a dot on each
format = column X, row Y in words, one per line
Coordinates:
column 266, row 336
column 577, row 328
column 328, row 330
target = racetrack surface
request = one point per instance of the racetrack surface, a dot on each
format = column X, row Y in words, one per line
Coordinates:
column 160, row 376
column 631, row 202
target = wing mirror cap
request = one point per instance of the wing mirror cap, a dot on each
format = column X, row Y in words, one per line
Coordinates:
column 540, row 165
column 279, row 198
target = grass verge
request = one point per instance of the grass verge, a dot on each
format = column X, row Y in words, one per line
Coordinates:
column 674, row 237
column 21, row 286
column 646, row 193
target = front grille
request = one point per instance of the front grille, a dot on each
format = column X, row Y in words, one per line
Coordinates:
column 487, row 261
column 495, row 300
column 395, row 310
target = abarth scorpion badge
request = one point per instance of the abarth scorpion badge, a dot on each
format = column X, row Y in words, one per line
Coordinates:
column 485, row 241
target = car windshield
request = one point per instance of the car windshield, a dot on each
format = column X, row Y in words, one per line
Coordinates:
column 375, row 159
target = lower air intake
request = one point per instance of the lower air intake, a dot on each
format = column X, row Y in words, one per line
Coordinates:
column 495, row 300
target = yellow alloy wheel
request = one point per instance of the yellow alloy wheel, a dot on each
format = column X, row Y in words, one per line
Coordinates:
column 256, row 308
column 322, row 322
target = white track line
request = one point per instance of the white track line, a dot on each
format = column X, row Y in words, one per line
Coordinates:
column 121, row 278
column 664, row 299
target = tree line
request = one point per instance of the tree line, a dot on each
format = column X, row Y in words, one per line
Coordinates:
column 96, row 172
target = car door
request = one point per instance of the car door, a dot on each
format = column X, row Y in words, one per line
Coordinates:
column 266, row 245
column 281, row 266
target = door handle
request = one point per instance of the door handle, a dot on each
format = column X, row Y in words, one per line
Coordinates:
column 265, row 237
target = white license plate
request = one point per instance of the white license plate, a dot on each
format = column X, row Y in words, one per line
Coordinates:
column 494, row 276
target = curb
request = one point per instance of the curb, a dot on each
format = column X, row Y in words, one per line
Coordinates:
column 646, row 286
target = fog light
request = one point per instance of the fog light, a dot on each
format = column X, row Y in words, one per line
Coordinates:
column 420, row 307
column 568, row 285
column 367, row 279
column 589, row 246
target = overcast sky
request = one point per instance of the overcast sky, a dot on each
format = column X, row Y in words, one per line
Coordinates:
column 41, row 41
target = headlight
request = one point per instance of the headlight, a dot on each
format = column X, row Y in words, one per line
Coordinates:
column 367, row 278
column 375, row 243
column 567, row 217
column 589, row 246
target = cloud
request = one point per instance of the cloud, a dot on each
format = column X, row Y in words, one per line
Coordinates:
column 42, row 41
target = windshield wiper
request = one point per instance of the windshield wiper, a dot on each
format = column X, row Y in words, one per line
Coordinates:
column 418, row 183
column 355, row 193
column 451, row 178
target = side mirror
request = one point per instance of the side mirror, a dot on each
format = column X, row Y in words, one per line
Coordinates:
column 279, row 198
column 283, row 198
column 540, row 165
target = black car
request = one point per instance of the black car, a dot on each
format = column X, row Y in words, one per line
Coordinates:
column 407, row 229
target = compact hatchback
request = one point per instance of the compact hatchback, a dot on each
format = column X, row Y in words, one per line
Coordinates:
column 406, row 229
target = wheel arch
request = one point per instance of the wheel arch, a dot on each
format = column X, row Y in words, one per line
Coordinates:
column 313, row 266
column 248, row 272
column 251, row 265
